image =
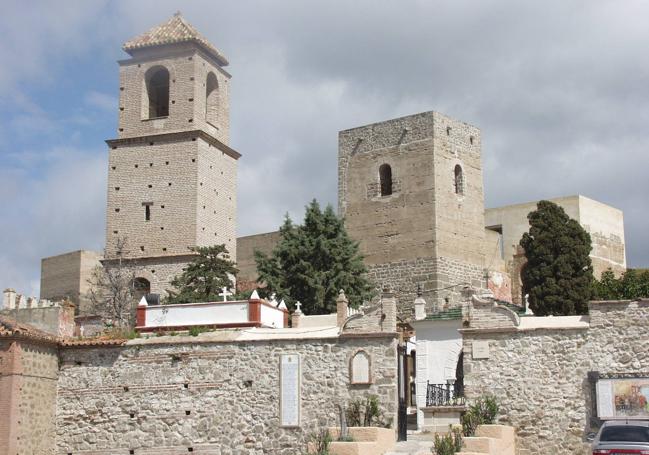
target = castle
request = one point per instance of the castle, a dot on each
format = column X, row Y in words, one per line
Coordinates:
column 411, row 192
column 410, row 189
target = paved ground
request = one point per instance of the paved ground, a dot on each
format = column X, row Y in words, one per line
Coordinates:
column 417, row 444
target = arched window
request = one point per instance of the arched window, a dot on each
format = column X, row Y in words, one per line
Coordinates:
column 157, row 90
column 385, row 175
column 211, row 99
column 459, row 180
column 141, row 287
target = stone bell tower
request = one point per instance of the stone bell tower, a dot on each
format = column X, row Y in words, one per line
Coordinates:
column 171, row 173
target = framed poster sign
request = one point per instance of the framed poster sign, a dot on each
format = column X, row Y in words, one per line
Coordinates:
column 289, row 379
column 623, row 398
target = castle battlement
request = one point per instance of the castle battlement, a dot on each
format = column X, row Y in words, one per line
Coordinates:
column 11, row 300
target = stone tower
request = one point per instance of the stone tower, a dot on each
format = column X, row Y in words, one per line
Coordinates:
column 171, row 176
column 411, row 192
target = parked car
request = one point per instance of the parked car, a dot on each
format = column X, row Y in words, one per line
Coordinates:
column 622, row 437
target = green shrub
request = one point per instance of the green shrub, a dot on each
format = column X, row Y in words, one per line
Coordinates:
column 320, row 440
column 449, row 443
column 364, row 412
column 197, row 330
column 482, row 412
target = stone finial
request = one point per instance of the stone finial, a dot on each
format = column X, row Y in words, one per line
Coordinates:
column 342, row 306
column 273, row 299
column 282, row 305
column 298, row 307
column 254, row 295
column 143, row 302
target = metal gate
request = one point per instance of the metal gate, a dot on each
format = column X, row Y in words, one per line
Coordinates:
column 402, row 383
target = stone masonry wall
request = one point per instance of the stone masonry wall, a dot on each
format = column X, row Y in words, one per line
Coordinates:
column 170, row 395
column 28, row 374
column 158, row 271
column 539, row 377
column 443, row 281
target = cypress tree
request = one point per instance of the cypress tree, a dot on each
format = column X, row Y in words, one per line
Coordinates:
column 558, row 275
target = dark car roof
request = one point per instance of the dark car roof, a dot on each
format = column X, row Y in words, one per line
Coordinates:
column 635, row 423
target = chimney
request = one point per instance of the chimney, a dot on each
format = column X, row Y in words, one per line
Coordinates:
column 389, row 307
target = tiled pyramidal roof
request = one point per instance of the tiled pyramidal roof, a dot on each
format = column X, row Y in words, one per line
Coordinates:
column 175, row 30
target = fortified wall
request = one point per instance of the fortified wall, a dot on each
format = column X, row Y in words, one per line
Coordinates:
column 545, row 371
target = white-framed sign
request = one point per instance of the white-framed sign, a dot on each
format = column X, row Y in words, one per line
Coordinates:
column 623, row 398
column 480, row 350
column 290, row 384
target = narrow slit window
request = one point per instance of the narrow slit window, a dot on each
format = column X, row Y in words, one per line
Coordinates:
column 147, row 210
column 459, row 180
column 385, row 176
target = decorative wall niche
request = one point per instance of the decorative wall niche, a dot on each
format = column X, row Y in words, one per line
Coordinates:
column 360, row 368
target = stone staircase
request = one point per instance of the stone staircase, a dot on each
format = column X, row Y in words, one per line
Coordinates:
column 492, row 440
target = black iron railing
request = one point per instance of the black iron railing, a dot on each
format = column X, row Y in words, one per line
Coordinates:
column 445, row 395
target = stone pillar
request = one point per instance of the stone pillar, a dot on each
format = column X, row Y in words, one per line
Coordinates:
column 9, row 299
column 66, row 319
column 11, row 378
column 389, row 308
column 341, row 308
column 140, row 313
column 420, row 306
column 254, row 309
column 22, row 301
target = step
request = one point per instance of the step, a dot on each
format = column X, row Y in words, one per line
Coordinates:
column 353, row 448
column 495, row 431
column 480, row 445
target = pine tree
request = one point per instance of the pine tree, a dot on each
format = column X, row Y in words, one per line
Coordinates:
column 312, row 262
column 558, row 275
column 205, row 277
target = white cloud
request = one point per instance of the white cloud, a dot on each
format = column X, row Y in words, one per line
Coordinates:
column 101, row 101
column 557, row 88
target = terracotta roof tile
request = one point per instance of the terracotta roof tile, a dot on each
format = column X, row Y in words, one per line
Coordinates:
column 92, row 342
column 175, row 30
column 11, row 328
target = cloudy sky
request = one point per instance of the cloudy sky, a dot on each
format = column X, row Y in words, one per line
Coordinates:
column 559, row 88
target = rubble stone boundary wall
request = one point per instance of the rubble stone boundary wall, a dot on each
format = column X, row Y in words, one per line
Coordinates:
column 172, row 394
column 538, row 368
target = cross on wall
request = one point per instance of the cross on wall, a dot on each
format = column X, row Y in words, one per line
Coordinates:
column 225, row 294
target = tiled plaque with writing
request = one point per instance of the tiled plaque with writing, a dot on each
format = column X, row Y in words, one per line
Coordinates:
column 289, row 377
